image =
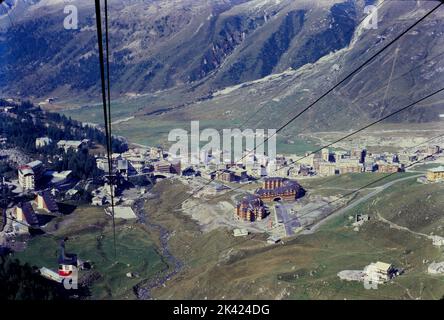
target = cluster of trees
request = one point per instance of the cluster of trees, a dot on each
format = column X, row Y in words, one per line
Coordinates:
column 30, row 122
column 80, row 132
column 6, row 170
column 82, row 164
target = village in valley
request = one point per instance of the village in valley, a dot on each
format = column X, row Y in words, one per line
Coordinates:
column 276, row 197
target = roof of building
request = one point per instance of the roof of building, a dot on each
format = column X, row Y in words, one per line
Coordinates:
column 122, row 212
column 29, row 213
column 237, row 170
column 162, row 166
column 136, row 159
column 220, row 187
column 162, row 163
column 26, row 170
column 49, row 274
column 51, row 204
column 274, row 179
column 250, row 198
column 437, row 169
column 70, row 143
column 122, row 164
column 61, row 175
column 382, row 266
column 44, row 139
column 288, row 186
column 240, row 232
column 34, row 164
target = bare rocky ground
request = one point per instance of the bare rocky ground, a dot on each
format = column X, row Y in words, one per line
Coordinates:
column 211, row 215
column 394, row 137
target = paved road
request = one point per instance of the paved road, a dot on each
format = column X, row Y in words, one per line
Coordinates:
column 357, row 202
column 283, row 217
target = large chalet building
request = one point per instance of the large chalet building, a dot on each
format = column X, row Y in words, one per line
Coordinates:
column 277, row 188
column 251, row 208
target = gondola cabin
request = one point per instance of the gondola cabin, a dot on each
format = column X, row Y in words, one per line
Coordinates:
column 66, row 269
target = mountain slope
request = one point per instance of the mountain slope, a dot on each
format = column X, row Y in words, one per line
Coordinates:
column 232, row 61
column 161, row 44
column 410, row 69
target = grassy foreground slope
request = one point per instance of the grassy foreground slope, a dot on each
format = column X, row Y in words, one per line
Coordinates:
column 217, row 265
column 221, row 266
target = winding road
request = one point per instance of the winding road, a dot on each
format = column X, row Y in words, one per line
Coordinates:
column 341, row 211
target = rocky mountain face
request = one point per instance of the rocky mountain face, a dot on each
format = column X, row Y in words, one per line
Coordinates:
column 410, row 69
column 158, row 44
column 229, row 59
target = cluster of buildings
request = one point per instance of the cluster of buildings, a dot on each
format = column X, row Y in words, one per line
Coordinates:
column 33, row 172
column 149, row 162
column 141, row 160
column 30, row 173
column 252, row 207
column 324, row 163
column 66, row 145
column 135, row 161
column 252, row 166
column 276, row 173
column 24, row 216
column 357, row 160
column 102, row 195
